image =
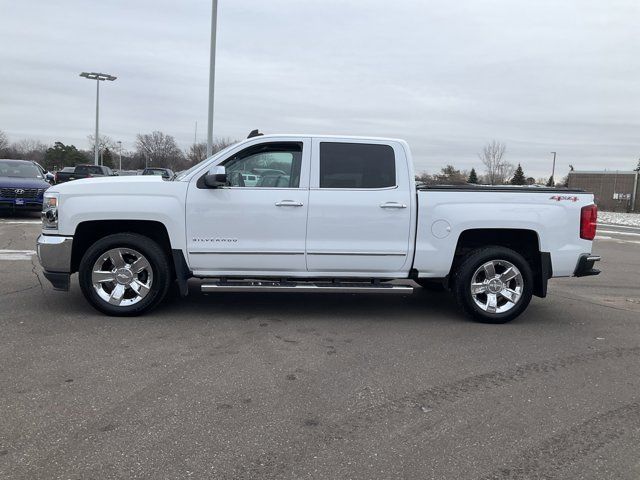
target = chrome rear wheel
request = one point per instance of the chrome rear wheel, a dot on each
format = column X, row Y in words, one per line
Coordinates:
column 496, row 286
column 493, row 284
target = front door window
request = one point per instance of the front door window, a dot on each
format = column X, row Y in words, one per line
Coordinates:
column 271, row 165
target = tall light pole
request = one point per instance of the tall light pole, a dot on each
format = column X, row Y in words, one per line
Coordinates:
column 98, row 77
column 212, row 75
column 553, row 169
column 120, row 153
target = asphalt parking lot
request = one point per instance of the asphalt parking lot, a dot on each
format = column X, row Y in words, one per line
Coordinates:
column 320, row 386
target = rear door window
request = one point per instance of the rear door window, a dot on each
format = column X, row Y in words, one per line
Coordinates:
column 356, row 165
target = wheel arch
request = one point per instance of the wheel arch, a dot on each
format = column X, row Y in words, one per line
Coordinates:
column 523, row 241
column 87, row 233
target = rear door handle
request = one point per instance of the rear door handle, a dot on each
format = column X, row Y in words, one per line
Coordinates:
column 392, row 205
column 288, row 203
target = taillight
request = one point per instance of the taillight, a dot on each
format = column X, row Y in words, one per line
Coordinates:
column 588, row 221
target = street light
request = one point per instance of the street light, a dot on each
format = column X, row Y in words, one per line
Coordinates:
column 120, row 153
column 98, row 77
column 212, row 75
column 553, row 169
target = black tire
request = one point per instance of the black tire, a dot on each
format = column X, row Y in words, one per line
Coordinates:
column 463, row 277
column 158, row 262
column 431, row 285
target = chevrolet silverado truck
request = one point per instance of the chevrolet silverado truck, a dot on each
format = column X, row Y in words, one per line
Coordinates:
column 326, row 214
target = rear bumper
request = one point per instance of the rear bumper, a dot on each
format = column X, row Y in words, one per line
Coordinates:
column 54, row 253
column 584, row 268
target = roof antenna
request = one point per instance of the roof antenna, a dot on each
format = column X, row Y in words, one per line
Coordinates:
column 255, row 133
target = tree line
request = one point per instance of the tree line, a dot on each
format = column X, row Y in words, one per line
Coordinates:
column 158, row 149
column 155, row 149
column 497, row 171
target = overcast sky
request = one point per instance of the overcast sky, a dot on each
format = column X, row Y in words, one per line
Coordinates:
column 447, row 76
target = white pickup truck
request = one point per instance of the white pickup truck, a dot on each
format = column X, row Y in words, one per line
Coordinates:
column 321, row 214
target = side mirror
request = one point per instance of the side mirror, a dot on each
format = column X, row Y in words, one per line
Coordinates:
column 216, row 178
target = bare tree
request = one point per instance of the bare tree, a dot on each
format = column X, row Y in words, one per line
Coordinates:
column 450, row 175
column 498, row 170
column 4, row 141
column 28, row 149
column 161, row 149
column 103, row 143
column 425, row 178
column 198, row 151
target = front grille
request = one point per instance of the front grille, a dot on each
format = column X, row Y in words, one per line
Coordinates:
column 31, row 193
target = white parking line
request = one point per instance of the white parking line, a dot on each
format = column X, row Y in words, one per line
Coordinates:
column 630, row 227
column 619, row 233
column 611, row 239
column 20, row 222
column 16, row 254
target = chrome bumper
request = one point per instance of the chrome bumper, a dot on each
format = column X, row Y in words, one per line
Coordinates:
column 54, row 253
column 584, row 267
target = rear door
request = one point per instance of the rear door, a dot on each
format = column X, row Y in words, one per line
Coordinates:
column 360, row 207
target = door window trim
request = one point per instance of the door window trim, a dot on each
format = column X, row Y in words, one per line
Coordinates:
column 305, row 165
column 314, row 174
column 351, row 189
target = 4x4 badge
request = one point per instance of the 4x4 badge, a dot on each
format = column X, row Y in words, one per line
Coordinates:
column 558, row 198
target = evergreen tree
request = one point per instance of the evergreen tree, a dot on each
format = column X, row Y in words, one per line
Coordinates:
column 473, row 176
column 61, row 155
column 550, row 182
column 518, row 177
column 107, row 158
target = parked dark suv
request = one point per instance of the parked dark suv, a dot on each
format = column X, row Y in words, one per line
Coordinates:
column 21, row 185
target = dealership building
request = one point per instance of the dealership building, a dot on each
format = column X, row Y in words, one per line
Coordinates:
column 615, row 190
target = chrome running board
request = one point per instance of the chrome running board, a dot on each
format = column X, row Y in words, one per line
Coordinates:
column 304, row 287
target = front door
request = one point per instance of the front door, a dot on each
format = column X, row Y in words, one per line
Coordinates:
column 258, row 223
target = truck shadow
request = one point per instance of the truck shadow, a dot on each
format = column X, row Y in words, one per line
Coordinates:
column 421, row 304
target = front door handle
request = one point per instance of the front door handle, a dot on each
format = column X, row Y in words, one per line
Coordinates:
column 392, row 205
column 288, row 203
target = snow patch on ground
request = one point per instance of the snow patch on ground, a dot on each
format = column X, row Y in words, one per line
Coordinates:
column 616, row 218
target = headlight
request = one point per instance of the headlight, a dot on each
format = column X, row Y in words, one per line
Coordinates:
column 50, row 211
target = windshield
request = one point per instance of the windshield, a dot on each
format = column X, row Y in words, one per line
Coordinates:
column 19, row 170
column 182, row 175
column 150, row 171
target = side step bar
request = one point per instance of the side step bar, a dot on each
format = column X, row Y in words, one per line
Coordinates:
column 304, row 287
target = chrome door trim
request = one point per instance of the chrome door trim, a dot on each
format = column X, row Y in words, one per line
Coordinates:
column 365, row 254
column 226, row 252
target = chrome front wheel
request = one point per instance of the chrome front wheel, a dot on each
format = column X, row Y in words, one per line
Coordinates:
column 122, row 277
